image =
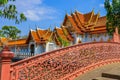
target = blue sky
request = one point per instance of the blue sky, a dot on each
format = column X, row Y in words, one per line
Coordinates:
column 50, row 13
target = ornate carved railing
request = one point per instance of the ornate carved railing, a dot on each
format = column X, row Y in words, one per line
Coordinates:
column 60, row 63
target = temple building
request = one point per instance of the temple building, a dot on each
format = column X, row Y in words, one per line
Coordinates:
column 39, row 41
column 87, row 27
column 76, row 28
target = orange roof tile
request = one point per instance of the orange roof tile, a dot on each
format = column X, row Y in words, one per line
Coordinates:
column 78, row 23
column 17, row 42
column 56, row 39
column 60, row 33
column 48, row 35
column 99, row 31
column 44, row 34
column 35, row 36
column 4, row 41
column 80, row 17
column 94, row 19
column 89, row 22
column 41, row 32
column 75, row 28
column 71, row 20
column 67, row 33
column 101, row 21
column 88, row 16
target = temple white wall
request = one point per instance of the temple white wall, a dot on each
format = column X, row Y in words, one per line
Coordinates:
column 90, row 37
column 98, row 37
column 19, row 49
column 49, row 46
column 40, row 48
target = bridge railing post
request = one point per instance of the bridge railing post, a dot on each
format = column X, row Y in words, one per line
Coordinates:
column 5, row 60
column 116, row 37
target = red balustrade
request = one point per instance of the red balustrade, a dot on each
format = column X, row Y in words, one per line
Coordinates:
column 66, row 63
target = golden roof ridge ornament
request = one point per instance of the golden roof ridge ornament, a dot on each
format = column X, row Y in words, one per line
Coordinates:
column 98, row 15
column 95, row 22
column 37, row 28
column 49, row 29
column 67, row 14
column 91, row 16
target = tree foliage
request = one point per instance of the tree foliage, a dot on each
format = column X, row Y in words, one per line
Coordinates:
column 63, row 42
column 10, row 32
column 113, row 15
column 9, row 11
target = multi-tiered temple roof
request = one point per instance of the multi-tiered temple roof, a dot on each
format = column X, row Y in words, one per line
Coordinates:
column 89, row 22
column 41, row 36
column 62, row 33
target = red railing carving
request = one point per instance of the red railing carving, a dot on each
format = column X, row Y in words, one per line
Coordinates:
column 59, row 64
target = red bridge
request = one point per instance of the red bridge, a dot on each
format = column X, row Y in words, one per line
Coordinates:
column 63, row 64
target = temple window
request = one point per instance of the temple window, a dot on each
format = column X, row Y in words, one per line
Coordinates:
column 86, row 37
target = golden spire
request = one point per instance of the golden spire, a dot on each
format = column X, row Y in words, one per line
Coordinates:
column 49, row 29
column 92, row 14
column 98, row 13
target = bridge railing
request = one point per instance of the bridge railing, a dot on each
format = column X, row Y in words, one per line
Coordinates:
column 63, row 62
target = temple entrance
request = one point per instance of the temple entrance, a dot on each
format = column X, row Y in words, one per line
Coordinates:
column 32, row 49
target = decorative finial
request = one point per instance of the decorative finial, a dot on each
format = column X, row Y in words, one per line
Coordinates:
column 65, row 11
column 71, row 12
column 98, row 13
column 49, row 29
column 6, row 53
column 66, row 14
column 93, row 9
column 76, row 11
column 31, row 30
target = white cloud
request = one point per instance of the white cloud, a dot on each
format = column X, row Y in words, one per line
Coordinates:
column 34, row 9
column 101, row 5
column 31, row 14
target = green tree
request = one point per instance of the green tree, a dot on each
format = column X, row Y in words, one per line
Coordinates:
column 9, row 11
column 64, row 42
column 113, row 15
column 2, row 2
column 1, row 33
column 10, row 31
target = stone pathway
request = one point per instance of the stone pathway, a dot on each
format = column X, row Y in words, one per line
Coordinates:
column 106, row 72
